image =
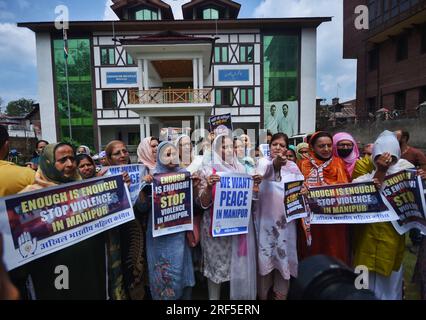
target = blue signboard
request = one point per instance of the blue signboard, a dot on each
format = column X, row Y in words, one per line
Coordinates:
column 234, row 75
column 122, row 77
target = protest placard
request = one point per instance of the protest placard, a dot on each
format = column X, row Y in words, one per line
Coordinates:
column 294, row 202
column 232, row 204
column 349, row 203
column 221, row 124
column 264, row 149
column 136, row 173
column 41, row 222
column 172, row 203
column 405, row 192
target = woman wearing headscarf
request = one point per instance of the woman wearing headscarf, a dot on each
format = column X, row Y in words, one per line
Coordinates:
column 84, row 260
column 147, row 152
column 377, row 245
column 240, row 153
column 127, row 241
column 322, row 168
column 302, row 151
column 171, row 274
column 228, row 258
column 345, row 147
column 83, row 150
column 276, row 238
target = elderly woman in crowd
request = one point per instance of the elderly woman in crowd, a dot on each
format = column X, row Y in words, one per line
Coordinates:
column 86, row 259
column 378, row 245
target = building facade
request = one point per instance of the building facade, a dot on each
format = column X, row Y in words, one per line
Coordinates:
column 130, row 78
column 391, row 55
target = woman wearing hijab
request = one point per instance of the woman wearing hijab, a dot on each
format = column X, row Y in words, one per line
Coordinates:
column 147, row 152
column 84, row 260
column 276, row 238
column 228, row 258
column 240, row 152
column 322, row 168
column 302, row 151
column 345, row 147
column 377, row 245
column 83, row 150
column 171, row 274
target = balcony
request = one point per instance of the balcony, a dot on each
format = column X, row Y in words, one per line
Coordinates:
column 170, row 96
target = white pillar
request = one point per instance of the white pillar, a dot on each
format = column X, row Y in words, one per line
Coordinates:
column 308, row 80
column 142, row 127
column 196, row 122
column 140, row 71
column 147, row 127
column 202, row 124
column 200, row 73
column 145, row 74
column 195, row 73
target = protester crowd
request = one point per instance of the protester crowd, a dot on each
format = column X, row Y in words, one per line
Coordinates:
column 128, row 262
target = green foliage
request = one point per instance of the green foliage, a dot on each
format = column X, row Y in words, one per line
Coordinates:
column 19, row 107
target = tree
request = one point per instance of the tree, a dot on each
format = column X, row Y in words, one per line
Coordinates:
column 19, row 107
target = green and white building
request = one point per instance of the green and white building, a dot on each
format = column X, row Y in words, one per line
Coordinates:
column 147, row 71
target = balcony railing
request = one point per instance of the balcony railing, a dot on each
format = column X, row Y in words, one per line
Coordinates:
column 161, row 96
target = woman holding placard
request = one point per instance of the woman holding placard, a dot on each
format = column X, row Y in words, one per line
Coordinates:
column 171, row 273
column 322, row 168
column 378, row 246
column 226, row 258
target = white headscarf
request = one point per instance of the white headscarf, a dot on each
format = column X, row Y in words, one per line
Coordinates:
column 387, row 142
column 220, row 165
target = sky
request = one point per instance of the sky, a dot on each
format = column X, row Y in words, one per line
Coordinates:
column 18, row 76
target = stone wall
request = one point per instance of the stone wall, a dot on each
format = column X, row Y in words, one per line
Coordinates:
column 366, row 132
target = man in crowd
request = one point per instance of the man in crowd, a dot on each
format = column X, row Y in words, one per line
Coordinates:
column 13, row 178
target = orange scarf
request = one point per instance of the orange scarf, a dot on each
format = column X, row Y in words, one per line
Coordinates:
column 333, row 173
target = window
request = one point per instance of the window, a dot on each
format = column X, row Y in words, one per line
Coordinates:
column 108, row 56
column 224, row 96
column 246, row 96
column 210, row 14
column 146, row 14
column 246, row 53
column 400, row 100
column 371, row 105
column 373, row 59
column 221, row 54
column 109, row 99
column 79, row 86
column 130, row 59
column 402, row 48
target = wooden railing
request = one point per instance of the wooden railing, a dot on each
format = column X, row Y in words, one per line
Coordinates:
column 161, row 96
